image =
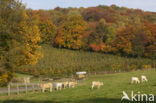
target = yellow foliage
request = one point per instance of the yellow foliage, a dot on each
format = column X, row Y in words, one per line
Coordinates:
column 146, row 66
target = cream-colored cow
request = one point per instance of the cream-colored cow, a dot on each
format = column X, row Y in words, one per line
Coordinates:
column 65, row 84
column 72, row 84
column 96, row 83
column 46, row 86
column 144, row 78
column 135, row 79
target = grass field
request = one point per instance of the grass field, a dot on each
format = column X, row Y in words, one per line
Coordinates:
column 64, row 62
column 110, row 92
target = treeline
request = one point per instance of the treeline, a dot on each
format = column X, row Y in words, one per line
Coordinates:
column 114, row 30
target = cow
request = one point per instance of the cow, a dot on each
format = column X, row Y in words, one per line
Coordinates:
column 143, row 78
column 72, row 84
column 65, row 84
column 135, row 79
column 96, row 83
column 58, row 86
column 45, row 86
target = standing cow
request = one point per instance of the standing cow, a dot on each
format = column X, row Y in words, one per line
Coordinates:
column 72, row 84
column 45, row 86
column 58, row 86
column 96, row 83
column 135, row 79
column 143, row 78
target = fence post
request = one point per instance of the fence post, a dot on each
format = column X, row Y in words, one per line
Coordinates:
column 33, row 88
column 38, row 86
column 17, row 89
column 26, row 88
column 8, row 89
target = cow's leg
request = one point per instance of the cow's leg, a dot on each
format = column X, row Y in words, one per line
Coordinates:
column 50, row 89
column 92, row 86
column 43, row 90
column 138, row 81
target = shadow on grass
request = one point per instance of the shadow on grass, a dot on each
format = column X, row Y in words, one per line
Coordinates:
column 96, row 100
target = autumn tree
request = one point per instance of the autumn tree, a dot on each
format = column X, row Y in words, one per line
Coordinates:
column 71, row 32
column 103, row 35
column 45, row 24
column 132, row 40
column 92, row 14
column 19, row 38
column 151, row 47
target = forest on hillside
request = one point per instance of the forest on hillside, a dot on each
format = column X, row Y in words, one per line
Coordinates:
column 106, row 29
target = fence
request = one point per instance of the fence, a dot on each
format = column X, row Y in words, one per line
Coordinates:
column 20, row 87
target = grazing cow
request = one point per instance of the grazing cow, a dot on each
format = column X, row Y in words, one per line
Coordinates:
column 72, row 84
column 58, row 86
column 65, row 84
column 143, row 78
column 96, row 83
column 45, row 86
column 26, row 80
column 135, row 79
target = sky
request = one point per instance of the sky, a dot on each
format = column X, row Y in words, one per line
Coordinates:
column 146, row 5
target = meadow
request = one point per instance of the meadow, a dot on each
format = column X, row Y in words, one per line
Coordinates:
column 110, row 92
column 64, row 62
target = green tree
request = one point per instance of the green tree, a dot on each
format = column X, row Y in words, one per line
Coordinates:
column 105, row 32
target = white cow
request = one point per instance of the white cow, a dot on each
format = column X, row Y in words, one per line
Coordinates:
column 45, row 86
column 96, row 83
column 143, row 78
column 135, row 79
column 58, row 86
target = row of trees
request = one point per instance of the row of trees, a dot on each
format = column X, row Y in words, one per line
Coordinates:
column 115, row 30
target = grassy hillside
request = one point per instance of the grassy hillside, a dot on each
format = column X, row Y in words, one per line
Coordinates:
column 110, row 92
column 61, row 62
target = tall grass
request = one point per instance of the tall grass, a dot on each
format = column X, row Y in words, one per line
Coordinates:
column 60, row 62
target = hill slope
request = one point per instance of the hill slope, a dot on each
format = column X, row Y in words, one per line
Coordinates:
column 60, row 62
